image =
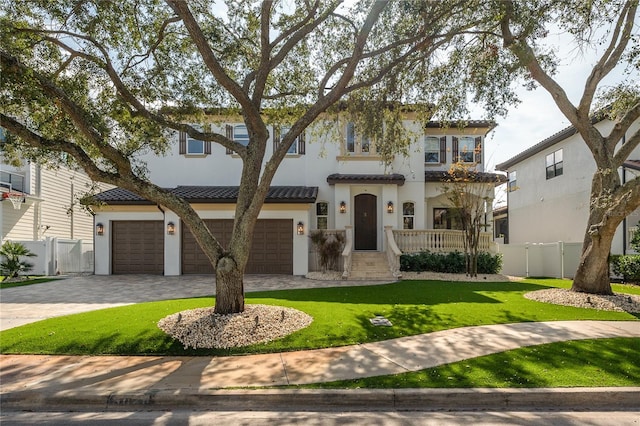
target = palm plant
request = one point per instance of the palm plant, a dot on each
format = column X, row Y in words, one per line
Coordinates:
column 13, row 264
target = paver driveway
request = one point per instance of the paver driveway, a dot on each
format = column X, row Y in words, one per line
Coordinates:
column 26, row 304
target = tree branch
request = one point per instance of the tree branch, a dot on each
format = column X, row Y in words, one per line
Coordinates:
column 612, row 55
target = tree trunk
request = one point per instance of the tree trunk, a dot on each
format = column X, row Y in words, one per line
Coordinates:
column 592, row 275
column 229, row 287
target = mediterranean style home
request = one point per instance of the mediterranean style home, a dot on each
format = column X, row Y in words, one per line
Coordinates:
column 330, row 180
column 549, row 185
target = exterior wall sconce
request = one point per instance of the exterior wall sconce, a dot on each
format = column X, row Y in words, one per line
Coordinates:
column 99, row 229
column 343, row 207
column 389, row 207
column 300, row 228
column 171, row 228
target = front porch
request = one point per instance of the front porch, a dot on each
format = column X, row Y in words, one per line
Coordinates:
column 396, row 243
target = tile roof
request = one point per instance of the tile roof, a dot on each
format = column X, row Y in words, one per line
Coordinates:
column 214, row 194
column 394, row 178
column 483, row 177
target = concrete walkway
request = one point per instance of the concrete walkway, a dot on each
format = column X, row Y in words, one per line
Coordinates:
column 138, row 381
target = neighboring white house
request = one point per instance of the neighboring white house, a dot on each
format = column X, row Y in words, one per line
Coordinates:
column 329, row 180
column 44, row 211
column 549, row 185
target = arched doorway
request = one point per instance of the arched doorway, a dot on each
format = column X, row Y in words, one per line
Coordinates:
column 366, row 222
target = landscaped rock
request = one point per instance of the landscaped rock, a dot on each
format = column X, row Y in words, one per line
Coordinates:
column 202, row 328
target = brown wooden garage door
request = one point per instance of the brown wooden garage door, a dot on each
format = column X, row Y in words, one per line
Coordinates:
column 271, row 249
column 137, row 247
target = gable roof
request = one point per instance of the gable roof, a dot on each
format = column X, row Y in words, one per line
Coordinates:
column 548, row 142
column 213, row 194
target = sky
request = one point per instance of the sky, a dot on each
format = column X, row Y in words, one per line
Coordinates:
column 537, row 116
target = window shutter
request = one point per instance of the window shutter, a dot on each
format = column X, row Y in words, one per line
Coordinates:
column 276, row 138
column 182, row 146
column 455, row 147
column 478, row 150
column 301, row 143
column 207, row 147
column 229, row 134
column 443, row 149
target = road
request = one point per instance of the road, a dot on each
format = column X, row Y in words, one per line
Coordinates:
column 273, row 418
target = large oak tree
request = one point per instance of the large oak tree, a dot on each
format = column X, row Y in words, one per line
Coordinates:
column 104, row 80
column 613, row 25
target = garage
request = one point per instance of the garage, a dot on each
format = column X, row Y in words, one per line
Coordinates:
column 137, row 247
column 271, row 250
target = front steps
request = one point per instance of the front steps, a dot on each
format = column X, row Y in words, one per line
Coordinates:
column 370, row 265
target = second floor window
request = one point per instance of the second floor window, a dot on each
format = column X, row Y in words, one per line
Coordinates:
column 192, row 146
column 355, row 143
column 408, row 213
column 554, row 164
column 298, row 145
column 467, row 149
column 237, row 133
column 512, row 181
column 435, row 149
column 322, row 215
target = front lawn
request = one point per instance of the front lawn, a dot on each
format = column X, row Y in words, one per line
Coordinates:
column 341, row 317
column 23, row 282
column 586, row 363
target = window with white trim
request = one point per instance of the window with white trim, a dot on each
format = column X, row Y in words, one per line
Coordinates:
column 554, row 164
column 191, row 146
column 511, row 186
column 322, row 215
column 240, row 134
column 431, row 150
column 466, row 149
column 355, row 143
column 408, row 215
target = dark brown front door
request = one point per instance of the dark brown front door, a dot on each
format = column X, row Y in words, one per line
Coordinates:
column 366, row 222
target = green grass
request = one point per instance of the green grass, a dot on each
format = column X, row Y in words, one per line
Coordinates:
column 589, row 363
column 341, row 317
column 24, row 282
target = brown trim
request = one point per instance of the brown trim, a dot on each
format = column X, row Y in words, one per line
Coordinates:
column 395, row 178
column 182, row 149
column 478, row 150
column 455, row 146
column 443, row 149
column 229, row 134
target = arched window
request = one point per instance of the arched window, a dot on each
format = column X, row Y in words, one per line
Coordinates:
column 322, row 215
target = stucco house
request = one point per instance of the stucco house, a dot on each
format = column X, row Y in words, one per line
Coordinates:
column 548, row 189
column 330, row 180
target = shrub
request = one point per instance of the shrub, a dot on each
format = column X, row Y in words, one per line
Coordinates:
column 329, row 248
column 451, row 263
column 12, row 266
column 489, row 264
column 627, row 266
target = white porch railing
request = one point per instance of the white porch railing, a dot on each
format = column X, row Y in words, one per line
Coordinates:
column 348, row 249
column 436, row 240
column 393, row 252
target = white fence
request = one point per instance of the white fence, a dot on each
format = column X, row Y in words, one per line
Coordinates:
column 60, row 256
column 557, row 260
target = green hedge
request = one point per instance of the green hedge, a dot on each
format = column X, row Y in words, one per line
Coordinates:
column 627, row 267
column 451, row 263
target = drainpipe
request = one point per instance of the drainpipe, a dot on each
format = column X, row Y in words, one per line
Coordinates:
column 624, row 221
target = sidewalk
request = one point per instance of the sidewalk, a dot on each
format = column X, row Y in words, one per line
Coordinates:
column 113, row 382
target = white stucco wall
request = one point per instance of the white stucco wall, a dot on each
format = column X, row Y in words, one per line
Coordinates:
column 549, row 210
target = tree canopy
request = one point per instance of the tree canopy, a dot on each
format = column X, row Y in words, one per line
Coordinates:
column 104, row 81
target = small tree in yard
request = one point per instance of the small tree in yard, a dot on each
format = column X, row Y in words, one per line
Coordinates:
column 469, row 192
column 12, row 266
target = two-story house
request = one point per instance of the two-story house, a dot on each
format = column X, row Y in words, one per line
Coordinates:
column 549, row 185
column 331, row 180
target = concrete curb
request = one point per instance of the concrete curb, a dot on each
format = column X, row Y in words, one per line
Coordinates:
column 623, row 398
